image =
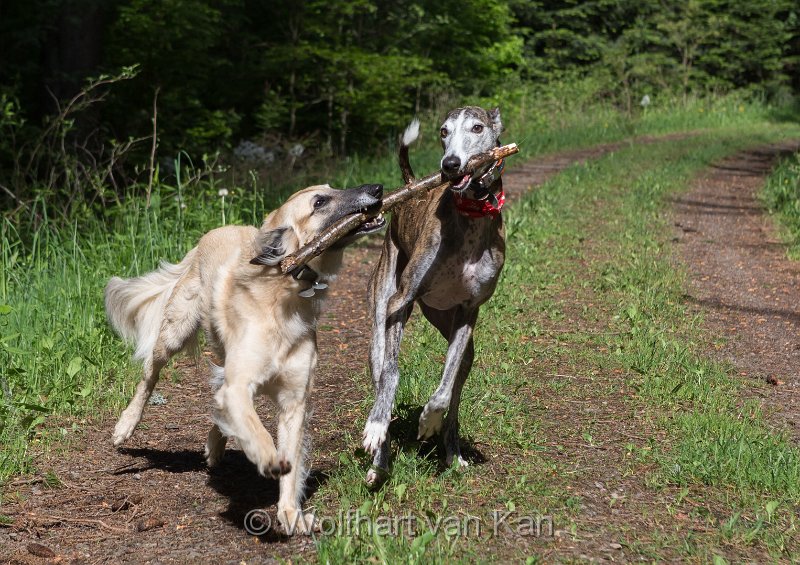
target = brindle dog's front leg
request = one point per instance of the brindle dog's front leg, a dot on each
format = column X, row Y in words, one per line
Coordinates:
column 447, row 397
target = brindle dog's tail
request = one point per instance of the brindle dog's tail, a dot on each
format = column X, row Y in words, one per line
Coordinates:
column 409, row 136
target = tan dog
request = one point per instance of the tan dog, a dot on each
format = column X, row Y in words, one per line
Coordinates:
column 259, row 322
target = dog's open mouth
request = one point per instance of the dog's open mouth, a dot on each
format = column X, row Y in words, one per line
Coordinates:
column 462, row 184
column 370, row 226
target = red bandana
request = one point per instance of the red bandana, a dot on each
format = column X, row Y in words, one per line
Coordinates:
column 479, row 208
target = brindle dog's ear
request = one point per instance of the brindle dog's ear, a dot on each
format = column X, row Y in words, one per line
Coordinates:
column 497, row 125
column 272, row 246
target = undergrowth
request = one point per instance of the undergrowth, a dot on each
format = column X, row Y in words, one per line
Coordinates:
column 781, row 195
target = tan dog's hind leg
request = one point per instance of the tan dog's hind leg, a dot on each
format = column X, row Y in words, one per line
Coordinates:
column 131, row 416
column 179, row 325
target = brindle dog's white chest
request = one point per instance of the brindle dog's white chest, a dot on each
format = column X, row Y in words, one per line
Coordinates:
column 467, row 278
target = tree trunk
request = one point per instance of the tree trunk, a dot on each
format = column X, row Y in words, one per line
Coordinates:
column 72, row 52
column 343, row 132
column 329, row 140
column 292, row 104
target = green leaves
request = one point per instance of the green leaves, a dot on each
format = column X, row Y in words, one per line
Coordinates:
column 74, row 366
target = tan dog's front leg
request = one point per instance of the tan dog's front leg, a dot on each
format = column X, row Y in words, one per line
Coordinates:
column 215, row 446
column 236, row 416
column 291, row 434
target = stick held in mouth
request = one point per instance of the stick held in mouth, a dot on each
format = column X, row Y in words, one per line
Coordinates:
column 419, row 186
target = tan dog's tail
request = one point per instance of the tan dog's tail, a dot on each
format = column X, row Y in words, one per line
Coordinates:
column 409, row 136
column 135, row 307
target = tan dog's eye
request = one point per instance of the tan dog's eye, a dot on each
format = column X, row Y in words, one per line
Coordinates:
column 320, row 201
column 444, row 132
column 477, row 128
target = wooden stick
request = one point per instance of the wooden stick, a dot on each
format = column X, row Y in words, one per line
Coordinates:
column 414, row 188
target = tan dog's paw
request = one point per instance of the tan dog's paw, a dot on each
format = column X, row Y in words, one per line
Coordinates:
column 284, row 467
column 266, row 461
column 213, row 454
column 124, row 430
column 294, row 522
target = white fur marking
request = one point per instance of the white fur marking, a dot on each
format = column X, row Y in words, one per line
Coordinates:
column 430, row 422
column 374, row 436
column 412, row 132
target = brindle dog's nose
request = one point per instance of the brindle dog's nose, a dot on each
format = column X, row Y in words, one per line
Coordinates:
column 451, row 164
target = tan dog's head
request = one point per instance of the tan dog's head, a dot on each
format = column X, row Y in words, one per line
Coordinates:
column 308, row 212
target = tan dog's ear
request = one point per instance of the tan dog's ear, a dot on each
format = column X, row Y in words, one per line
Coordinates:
column 272, row 246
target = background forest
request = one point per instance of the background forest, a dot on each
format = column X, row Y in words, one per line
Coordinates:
column 342, row 76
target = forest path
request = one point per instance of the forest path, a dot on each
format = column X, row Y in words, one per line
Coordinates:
column 741, row 278
column 155, row 501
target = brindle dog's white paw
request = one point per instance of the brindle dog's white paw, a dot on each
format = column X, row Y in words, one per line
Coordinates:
column 376, row 477
column 462, row 463
column 374, row 436
column 430, row 422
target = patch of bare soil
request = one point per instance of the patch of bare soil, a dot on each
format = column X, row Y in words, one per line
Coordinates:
column 155, row 501
column 742, row 279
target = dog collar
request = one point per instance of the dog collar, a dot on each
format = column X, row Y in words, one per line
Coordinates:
column 306, row 273
column 489, row 177
column 488, row 205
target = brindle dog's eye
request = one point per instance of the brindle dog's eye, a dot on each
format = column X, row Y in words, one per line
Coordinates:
column 477, row 128
column 320, row 201
column 444, row 132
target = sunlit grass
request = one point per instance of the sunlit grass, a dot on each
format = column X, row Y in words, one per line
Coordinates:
column 781, row 196
column 714, row 444
column 60, row 363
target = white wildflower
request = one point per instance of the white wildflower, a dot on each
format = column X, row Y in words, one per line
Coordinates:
column 223, row 192
column 297, row 150
column 645, row 101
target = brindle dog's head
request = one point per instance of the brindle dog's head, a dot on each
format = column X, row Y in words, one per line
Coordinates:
column 310, row 211
column 466, row 132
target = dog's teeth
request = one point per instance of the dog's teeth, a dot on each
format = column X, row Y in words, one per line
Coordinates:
column 319, row 286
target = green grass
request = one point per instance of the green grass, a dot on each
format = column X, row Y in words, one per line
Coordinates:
column 781, row 196
column 594, row 231
column 711, row 444
column 57, row 356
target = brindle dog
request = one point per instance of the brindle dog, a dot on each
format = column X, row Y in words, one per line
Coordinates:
column 445, row 252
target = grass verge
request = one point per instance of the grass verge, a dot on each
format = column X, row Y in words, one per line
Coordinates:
column 781, row 196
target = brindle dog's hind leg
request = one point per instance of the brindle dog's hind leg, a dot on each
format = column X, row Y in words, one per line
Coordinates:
column 382, row 285
column 398, row 309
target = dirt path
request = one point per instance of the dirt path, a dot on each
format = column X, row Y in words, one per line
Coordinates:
column 742, row 279
column 156, row 501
